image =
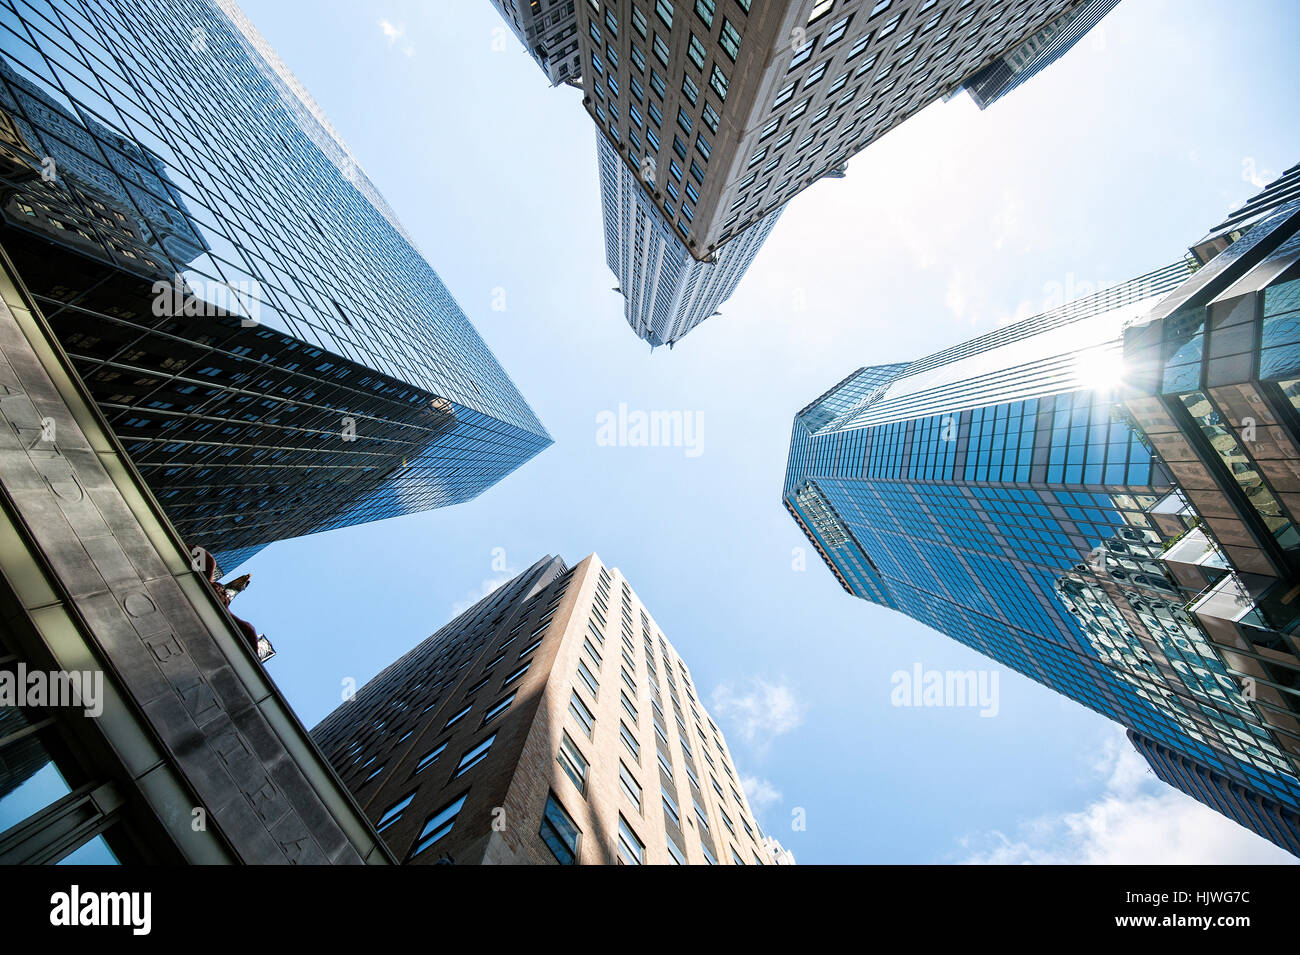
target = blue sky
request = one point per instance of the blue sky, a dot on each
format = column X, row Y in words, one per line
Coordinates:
column 1108, row 165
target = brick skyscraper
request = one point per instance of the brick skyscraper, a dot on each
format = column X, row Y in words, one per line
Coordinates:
column 534, row 727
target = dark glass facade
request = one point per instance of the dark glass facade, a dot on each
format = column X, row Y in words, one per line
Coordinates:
column 253, row 318
column 999, row 493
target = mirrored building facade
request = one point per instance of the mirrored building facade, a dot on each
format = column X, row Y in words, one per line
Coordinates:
column 259, row 328
column 1213, row 378
column 999, row 492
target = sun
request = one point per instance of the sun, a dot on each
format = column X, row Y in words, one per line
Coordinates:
column 1099, row 369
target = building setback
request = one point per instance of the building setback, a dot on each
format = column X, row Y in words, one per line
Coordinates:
column 551, row 722
column 998, row 492
column 244, row 306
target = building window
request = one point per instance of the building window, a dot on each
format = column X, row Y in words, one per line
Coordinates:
column 593, row 685
column 429, row 758
column 836, row 31
column 628, row 706
column 729, row 40
column 517, row 674
column 497, row 709
column 664, row 10
column 704, row 9
column 393, row 813
column 581, row 713
column 474, row 756
column 710, row 117
column 629, row 741
column 631, row 788
column 560, row 832
column 573, row 762
column 691, row 91
column 458, row 717
column 660, row 49
column 718, row 82
column 695, row 50
column 631, row 849
column 438, row 825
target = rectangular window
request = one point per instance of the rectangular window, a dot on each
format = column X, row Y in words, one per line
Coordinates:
column 630, row 847
column 690, row 90
column 660, row 49
column 593, row 685
column 704, row 9
column 664, row 10
column 729, row 40
column 710, row 117
column 670, row 805
column 474, row 756
column 639, row 21
column 695, row 50
column 560, row 832
column 628, row 706
column 581, row 713
column 629, row 741
column 718, row 82
column 438, row 825
column 657, row 84
column 631, row 788
column 683, row 120
column 836, row 31
column 572, row 762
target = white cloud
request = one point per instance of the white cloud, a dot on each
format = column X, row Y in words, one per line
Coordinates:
column 761, row 712
column 396, row 34
column 760, row 793
column 1136, row 820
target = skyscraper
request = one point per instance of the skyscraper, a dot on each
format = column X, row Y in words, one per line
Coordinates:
column 997, row 492
column 1213, row 376
column 244, row 306
column 1035, row 53
column 666, row 291
column 533, row 728
column 548, row 31
column 721, row 111
column 136, row 724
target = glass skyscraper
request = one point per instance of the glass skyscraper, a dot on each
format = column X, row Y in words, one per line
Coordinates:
column 260, row 330
column 997, row 492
